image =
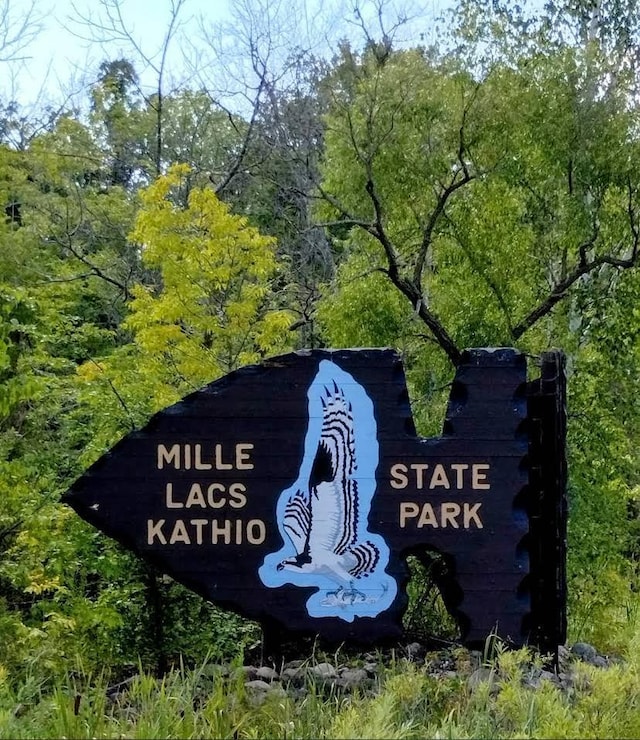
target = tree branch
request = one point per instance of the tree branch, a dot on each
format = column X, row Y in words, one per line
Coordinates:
column 235, row 168
column 432, row 222
column 407, row 287
column 95, row 270
column 117, row 395
column 17, row 31
column 347, row 217
column 456, row 182
column 584, row 267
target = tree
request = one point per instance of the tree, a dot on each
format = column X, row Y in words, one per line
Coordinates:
column 210, row 310
column 18, row 28
column 426, row 200
column 115, row 106
column 502, row 207
column 110, row 26
column 213, row 309
column 64, row 271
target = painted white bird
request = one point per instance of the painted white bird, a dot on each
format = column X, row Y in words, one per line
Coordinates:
column 322, row 521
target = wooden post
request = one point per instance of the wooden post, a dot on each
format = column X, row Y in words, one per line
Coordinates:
column 547, row 504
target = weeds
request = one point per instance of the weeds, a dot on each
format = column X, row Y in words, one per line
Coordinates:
column 405, row 702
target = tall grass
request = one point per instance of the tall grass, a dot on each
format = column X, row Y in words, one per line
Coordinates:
column 406, row 702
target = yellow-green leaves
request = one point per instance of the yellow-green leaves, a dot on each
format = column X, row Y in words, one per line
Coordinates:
column 211, row 309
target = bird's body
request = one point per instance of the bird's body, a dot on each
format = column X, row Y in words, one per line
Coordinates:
column 322, row 521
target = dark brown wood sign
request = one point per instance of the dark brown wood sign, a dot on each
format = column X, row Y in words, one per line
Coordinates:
column 294, row 490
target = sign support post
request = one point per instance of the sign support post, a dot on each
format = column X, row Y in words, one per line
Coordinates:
column 547, row 503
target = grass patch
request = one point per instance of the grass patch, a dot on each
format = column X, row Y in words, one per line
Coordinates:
column 513, row 698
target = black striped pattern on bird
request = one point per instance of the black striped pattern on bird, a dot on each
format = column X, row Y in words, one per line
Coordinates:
column 322, row 522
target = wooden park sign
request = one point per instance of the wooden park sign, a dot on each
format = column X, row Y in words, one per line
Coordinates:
column 293, row 491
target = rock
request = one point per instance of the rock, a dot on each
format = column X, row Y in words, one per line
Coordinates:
column 350, row 677
column 277, row 690
column 292, row 674
column 324, row 670
column 564, row 658
column 479, row 676
column 599, row 661
column 415, row 651
column 536, row 677
column 297, row 692
column 548, row 676
column 371, row 668
column 257, row 685
column 214, row 670
column 566, row 682
column 245, row 672
column 295, row 664
column 257, row 691
column 583, row 651
column 267, row 674
column 438, row 664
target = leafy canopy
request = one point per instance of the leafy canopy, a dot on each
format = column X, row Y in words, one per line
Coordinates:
column 212, row 308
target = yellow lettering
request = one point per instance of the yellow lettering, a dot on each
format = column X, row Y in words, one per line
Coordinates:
column 191, row 457
column 478, row 477
column 179, row 534
column 419, row 468
column 217, row 530
column 242, row 456
column 168, row 497
column 236, row 492
column 408, row 510
column 219, row 464
column 198, row 464
column 212, row 501
column 398, row 476
column 459, row 468
column 439, row 478
column 196, row 497
column 168, row 456
column 155, row 530
column 471, row 513
column 198, row 524
column 427, row 517
column 256, row 532
column 448, row 514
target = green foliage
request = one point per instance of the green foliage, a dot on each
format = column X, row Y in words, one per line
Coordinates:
column 511, row 698
column 63, row 286
column 211, row 312
column 545, row 167
column 359, row 310
column 489, row 195
column 427, row 616
column 199, row 702
column 496, row 170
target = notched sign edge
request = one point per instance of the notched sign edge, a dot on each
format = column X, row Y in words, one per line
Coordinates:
column 509, row 371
